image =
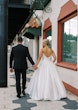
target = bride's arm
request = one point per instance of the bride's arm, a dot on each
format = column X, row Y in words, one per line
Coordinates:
column 54, row 56
column 39, row 58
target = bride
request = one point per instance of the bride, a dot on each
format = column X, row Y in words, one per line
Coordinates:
column 45, row 83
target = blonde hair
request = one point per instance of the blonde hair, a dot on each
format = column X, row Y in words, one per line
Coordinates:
column 46, row 41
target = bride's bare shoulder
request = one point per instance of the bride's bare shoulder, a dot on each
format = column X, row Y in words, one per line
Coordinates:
column 41, row 49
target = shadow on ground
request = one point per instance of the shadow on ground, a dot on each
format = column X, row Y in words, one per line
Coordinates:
column 70, row 104
column 24, row 105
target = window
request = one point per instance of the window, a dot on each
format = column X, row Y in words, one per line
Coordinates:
column 49, row 37
column 47, row 31
column 69, row 53
column 67, row 36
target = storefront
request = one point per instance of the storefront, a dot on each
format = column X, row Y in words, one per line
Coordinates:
column 61, row 23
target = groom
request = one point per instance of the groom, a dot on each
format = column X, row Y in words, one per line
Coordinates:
column 18, row 57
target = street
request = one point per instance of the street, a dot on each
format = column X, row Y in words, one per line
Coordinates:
column 9, row 101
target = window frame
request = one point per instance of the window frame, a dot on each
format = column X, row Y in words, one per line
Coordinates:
column 45, row 32
column 47, row 27
column 60, row 43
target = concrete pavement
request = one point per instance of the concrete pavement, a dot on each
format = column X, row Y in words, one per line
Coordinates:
column 9, row 101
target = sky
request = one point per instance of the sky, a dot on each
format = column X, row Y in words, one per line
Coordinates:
column 71, row 26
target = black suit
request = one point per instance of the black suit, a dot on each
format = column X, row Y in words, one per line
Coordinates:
column 19, row 54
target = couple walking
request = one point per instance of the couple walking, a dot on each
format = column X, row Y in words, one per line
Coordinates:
column 45, row 83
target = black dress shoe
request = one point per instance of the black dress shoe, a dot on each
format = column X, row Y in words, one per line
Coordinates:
column 18, row 96
column 23, row 92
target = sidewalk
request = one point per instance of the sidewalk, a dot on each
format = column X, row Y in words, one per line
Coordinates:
column 9, row 101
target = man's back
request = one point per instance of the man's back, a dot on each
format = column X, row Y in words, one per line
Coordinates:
column 18, row 61
column 19, row 54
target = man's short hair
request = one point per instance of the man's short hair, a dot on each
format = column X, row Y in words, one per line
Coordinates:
column 20, row 39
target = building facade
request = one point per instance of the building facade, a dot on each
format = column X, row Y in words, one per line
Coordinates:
column 60, row 25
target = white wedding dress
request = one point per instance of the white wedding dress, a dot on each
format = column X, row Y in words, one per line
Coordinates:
column 45, row 83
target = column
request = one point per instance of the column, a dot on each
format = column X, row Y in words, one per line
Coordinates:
column 3, row 42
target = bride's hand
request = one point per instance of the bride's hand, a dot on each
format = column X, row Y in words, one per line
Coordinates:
column 35, row 67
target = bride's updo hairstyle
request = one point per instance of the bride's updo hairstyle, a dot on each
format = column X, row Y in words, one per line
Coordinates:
column 46, row 41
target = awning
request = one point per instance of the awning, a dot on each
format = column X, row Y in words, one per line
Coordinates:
column 34, row 29
column 39, row 4
column 32, row 32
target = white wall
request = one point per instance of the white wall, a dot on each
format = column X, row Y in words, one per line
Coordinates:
column 30, row 47
column 35, row 50
column 67, row 75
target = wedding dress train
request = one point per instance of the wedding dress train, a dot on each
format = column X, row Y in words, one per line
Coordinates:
column 45, row 83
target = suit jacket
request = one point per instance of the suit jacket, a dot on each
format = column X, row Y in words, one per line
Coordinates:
column 18, row 57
